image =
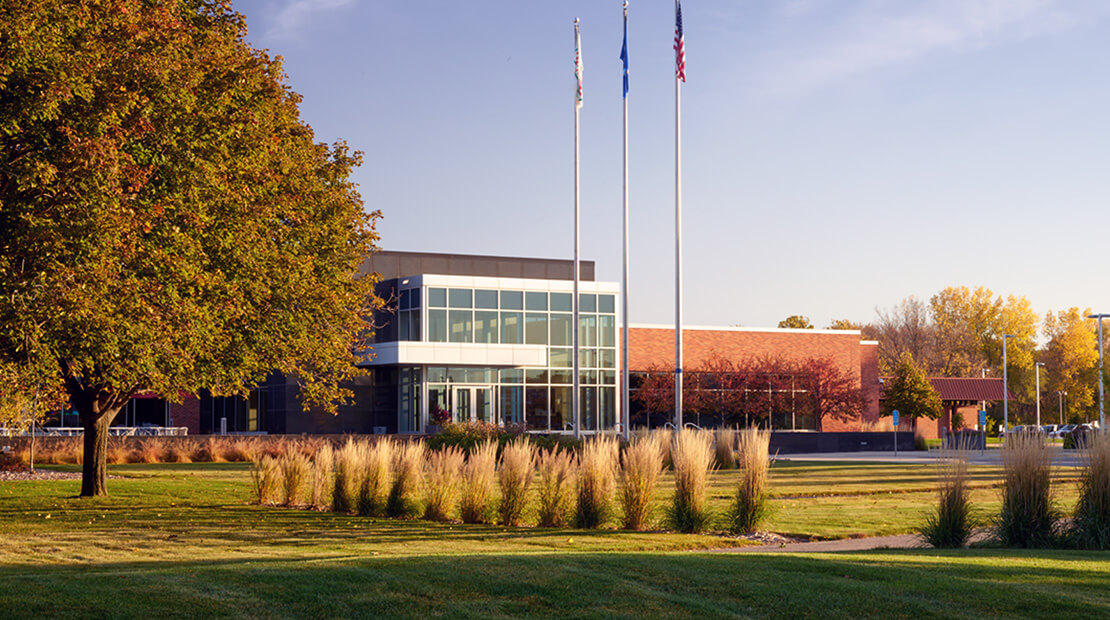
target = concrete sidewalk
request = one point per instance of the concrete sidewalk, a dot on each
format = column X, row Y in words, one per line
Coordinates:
column 990, row 456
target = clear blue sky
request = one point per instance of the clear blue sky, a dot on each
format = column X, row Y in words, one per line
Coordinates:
column 838, row 155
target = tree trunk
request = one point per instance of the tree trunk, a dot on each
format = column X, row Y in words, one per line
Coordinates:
column 96, row 422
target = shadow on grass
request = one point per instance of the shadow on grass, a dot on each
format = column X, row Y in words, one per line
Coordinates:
column 886, row 584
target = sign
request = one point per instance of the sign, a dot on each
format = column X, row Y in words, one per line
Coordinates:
column 894, row 414
column 982, row 419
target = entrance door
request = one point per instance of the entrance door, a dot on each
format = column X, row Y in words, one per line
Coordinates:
column 474, row 403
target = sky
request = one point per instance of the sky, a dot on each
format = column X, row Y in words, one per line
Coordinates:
column 838, row 156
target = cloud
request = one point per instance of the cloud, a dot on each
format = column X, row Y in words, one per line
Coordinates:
column 295, row 14
column 879, row 35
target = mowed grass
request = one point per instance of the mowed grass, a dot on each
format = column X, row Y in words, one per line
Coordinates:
column 185, row 540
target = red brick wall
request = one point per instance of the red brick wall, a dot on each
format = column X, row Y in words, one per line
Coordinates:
column 650, row 346
column 187, row 413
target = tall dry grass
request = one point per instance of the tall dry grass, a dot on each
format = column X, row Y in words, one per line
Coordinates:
column 406, row 496
column 350, row 469
column 952, row 524
column 666, row 443
column 267, row 479
column 295, row 471
column 322, row 463
column 515, row 475
column 1090, row 528
column 724, row 445
column 1028, row 516
column 181, row 450
column 377, row 480
column 641, row 467
column 751, row 503
column 597, row 481
column 151, row 450
column 555, row 488
column 693, row 455
column 478, row 483
column 444, row 472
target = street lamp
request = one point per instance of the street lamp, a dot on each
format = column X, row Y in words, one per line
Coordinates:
column 1101, row 400
column 1038, row 367
column 1060, row 394
column 1005, row 386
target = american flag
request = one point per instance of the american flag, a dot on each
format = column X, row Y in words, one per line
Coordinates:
column 577, row 65
column 679, row 44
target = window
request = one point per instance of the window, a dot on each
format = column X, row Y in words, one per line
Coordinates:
column 587, row 302
column 437, row 326
column 535, row 408
column 460, row 298
column 606, row 303
column 560, row 358
column 485, row 299
column 437, row 297
column 535, row 301
column 512, row 300
column 560, row 302
column 607, row 330
column 535, row 329
column 512, row 328
column 587, row 331
column 485, row 326
column 462, row 326
column 560, row 330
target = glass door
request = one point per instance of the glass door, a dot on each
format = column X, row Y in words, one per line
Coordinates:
column 474, row 403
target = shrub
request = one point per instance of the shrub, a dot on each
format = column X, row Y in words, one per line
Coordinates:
column 724, row 443
column 751, row 504
column 468, row 435
column 376, row 479
column 180, row 451
column 118, row 452
column 692, row 453
column 518, row 467
column 295, row 469
column 952, row 524
column 406, row 497
column 444, row 469
column 555, row 487
column 240, row 449
column 350, row 469
column 266, row 476
column 640, row 471
column 1028, row 516
column 151, row 450
column 478, row 481
column 322, row 483
column 597, row 474
column 1090, row 528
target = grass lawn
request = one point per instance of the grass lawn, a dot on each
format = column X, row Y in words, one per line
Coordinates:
column 184, row 540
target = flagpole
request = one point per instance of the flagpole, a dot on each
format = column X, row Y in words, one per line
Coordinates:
column 625, row 411
column 577, row 106
column 678, row 227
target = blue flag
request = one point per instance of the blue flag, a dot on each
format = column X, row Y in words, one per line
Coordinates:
column 624, row 53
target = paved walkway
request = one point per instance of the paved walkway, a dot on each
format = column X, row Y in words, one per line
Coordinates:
column 901, row 541
column 990, row 456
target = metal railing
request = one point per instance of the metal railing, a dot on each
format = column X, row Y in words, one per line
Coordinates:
column 114, row 431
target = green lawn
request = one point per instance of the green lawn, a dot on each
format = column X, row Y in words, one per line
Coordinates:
column 184, row 540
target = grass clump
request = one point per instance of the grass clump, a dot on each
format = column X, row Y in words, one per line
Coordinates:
column 322, row 483
column 406, row 497
column 267, row 479
column 1090, row 528
column 692, row 453
column 444, row 468
column 751, row 504
column 597, row 481
column 350, row 462
column 640, row 470
column 951, row 524
column 376, row 481
column 555, row 490
column 1028, row 516
column 295, row 471
column 479, row 480
column 724, row 443
column 518, row 468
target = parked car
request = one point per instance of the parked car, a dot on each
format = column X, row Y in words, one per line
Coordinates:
column 1063, row 430
column 1048, row 429
column 1078, row 435
column 1023, row 429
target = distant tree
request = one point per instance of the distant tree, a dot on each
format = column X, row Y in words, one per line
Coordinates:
column 906, row 327
column 1071, row 357
column 833, row 392
column 910, row 392
column 965, row 323
column 845, row 324
column 796, row 321
column 168, row 223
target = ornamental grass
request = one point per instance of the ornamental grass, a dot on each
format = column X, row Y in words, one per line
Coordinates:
column 693, row 455
column 555, row 487
column 1028, row 516
column 750, row 505
column 1090, row 528
column 350, row 469
column 641, row 466
column 515, row 475
column 952, row 524
column 322, row 463
column 479, row 481
column 444, row 477
column 597, row 481
column 267, row 479
column 380, row 467
column 724, row 445
column 296, row 469
column 406, row 498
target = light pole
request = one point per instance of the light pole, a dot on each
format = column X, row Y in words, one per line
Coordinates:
column 1005, row 386
column 983, row 403
column 1060, row 401
column 1101, row 400
column 1038, row 367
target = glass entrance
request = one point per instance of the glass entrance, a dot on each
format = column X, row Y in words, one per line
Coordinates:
column 474, row 403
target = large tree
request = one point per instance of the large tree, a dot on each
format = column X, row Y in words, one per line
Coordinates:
column 909, row 392
column 1071, row 357
column 167, row 221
